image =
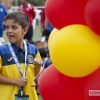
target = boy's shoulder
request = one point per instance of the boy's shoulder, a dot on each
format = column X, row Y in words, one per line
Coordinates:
column 31, row 45
column 32, row 48
column 4, row 49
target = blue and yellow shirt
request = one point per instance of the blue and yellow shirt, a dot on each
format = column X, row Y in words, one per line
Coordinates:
column 9, row 69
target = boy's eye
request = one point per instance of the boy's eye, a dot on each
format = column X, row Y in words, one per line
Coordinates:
column 14, row 27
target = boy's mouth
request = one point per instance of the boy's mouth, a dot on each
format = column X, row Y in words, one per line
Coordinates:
column 10, row 36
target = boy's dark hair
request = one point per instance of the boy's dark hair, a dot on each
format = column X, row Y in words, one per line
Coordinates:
column 42, row 52
column 19, row 17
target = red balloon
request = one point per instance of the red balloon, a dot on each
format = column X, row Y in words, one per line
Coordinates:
column 61, row 13
column 93, row 84
column 55, row 86
column 92, row 15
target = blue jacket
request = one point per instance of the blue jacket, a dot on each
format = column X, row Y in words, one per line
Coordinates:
column 49, row 27
column 3, row 13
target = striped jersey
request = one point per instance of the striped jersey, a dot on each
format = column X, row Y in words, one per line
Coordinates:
column 8, row 68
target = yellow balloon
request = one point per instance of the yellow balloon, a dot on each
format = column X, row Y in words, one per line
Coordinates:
column 54, row 31
column 75, row 51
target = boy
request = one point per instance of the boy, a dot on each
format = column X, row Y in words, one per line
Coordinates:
column 20, row 62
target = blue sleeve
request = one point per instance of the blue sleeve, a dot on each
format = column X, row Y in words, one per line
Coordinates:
column 47, row 63
column 5, row 11
column 33, row 49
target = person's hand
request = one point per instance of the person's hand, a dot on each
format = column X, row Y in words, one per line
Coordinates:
column 37, row 62
column 21, row 81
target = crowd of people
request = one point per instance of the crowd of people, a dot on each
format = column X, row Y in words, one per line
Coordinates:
column 18, row 27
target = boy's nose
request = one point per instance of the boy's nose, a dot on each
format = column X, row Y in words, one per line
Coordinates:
column 9, row 30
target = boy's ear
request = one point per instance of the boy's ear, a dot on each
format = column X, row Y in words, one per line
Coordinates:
column 25, row 30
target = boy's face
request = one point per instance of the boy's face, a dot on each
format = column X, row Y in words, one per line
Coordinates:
column 14, row 31
column 39, row 45
column 45, row 45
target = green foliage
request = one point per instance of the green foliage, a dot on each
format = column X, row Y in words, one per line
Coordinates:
column 34, row 2
column 37, row 2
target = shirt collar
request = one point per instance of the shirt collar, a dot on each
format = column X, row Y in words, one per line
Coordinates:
column 17, row 48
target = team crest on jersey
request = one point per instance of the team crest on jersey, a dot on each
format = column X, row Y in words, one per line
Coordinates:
column 30, row 59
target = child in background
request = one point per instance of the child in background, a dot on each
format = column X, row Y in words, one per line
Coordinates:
column 46, row 61
column 38, row 44
column 20, row 61
column 45, row 46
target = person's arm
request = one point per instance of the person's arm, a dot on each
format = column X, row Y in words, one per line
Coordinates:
column 37, row 77
column 6, row 80
column 42, row 21
column 6, row 12
column 20, row 82
column 13, row 81
column 37, row 64
column 46, row 22
column 33, row 12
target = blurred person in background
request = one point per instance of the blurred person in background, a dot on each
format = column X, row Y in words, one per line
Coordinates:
column 3, row 13
column 42, row 20
column 45, row 46
column 38, row 44
column 46, row 27
column 30, row 11
column 46, row 61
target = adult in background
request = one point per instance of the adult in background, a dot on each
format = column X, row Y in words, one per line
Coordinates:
column 48, row 29
column 43, row 16
column 29, row 10
column 3, row 13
